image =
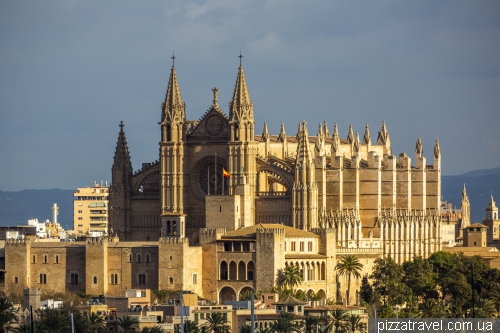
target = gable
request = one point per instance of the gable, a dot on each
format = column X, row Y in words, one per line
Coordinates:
column 212, row 126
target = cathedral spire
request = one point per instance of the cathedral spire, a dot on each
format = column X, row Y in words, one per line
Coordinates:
column 241, row 110
column 304, row 156
column 265, row 133
column 384, row 139
column 419, row 149
column 326, row 130
column 320, row 140
column 367, row 139
column 335, row 139
column 173, row 116
column 356, row 143
column 437, row 150
column 464, row 192
column 350, row 135
column 173, row 99
column 383, row 135
column 121, row 159
column 282, row 135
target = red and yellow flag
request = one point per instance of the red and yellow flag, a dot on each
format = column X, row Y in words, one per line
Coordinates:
column 225, row 173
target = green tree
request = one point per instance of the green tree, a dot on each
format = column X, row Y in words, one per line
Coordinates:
column 160, row 295
column 245, row 329
column 431, row 309
column 337, row 320
column 366, row 290
column 420, row 277
column 7, row 314
column 290, row 277
column 217, row 323
column 485, row 308
column 127, row 323
column 349, row 265
column 53, row 320
column 190, row 326
column 97, row 322
column 156, row 329
column 286, row 323
column 387, row 281
column 311, row 322
column 354, row 323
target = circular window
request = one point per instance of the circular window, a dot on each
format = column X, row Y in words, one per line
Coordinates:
column 208, row 179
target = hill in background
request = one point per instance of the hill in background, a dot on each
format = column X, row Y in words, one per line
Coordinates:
column 479, row 184
column 17, row 207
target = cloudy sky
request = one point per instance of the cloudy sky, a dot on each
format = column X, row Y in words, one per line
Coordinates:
column 70, row 71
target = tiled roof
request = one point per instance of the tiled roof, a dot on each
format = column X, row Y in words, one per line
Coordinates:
column 291, row 256
column 250, row 232
column 290, row 300
column 134, row 244
column 57, row 244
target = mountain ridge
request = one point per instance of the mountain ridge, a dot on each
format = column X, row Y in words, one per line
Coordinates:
column 16, row 207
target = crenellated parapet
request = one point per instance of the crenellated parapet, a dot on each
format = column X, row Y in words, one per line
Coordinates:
column 93, row 241
column 18, row 242
column 208, row 235
column 173, row 240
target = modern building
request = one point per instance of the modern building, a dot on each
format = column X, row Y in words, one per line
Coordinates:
column 90, row 211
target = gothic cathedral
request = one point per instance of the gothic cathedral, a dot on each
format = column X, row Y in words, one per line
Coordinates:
column 216, row 173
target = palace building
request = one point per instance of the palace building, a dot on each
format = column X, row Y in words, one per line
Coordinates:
column 223, row 209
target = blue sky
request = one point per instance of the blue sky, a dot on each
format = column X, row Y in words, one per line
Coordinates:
column 70, row 71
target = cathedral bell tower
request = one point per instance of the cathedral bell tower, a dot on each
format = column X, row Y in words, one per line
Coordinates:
column 242, row 146
column 172, row 146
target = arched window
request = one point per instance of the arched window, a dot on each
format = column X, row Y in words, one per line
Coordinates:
column 224, row 271
column 57, row 259
column 95, row 279
column 138, row 257
column 250, row 271
column 43, row 278
column 74, row 278
column 147, row 257
column 142, row 279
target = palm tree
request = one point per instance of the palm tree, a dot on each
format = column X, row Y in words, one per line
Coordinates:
column 349, row 265
column 431, row 309
column 216, row 323
column 127, row 323
column 291, row 276
column 156, row 329
column 7, row 315
column 353, row 322
column 337, row 319
column 311, row 323
column 245, row 329
column 286, row 324
column 97, row 322
column 485, row 308
column 190, row 326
